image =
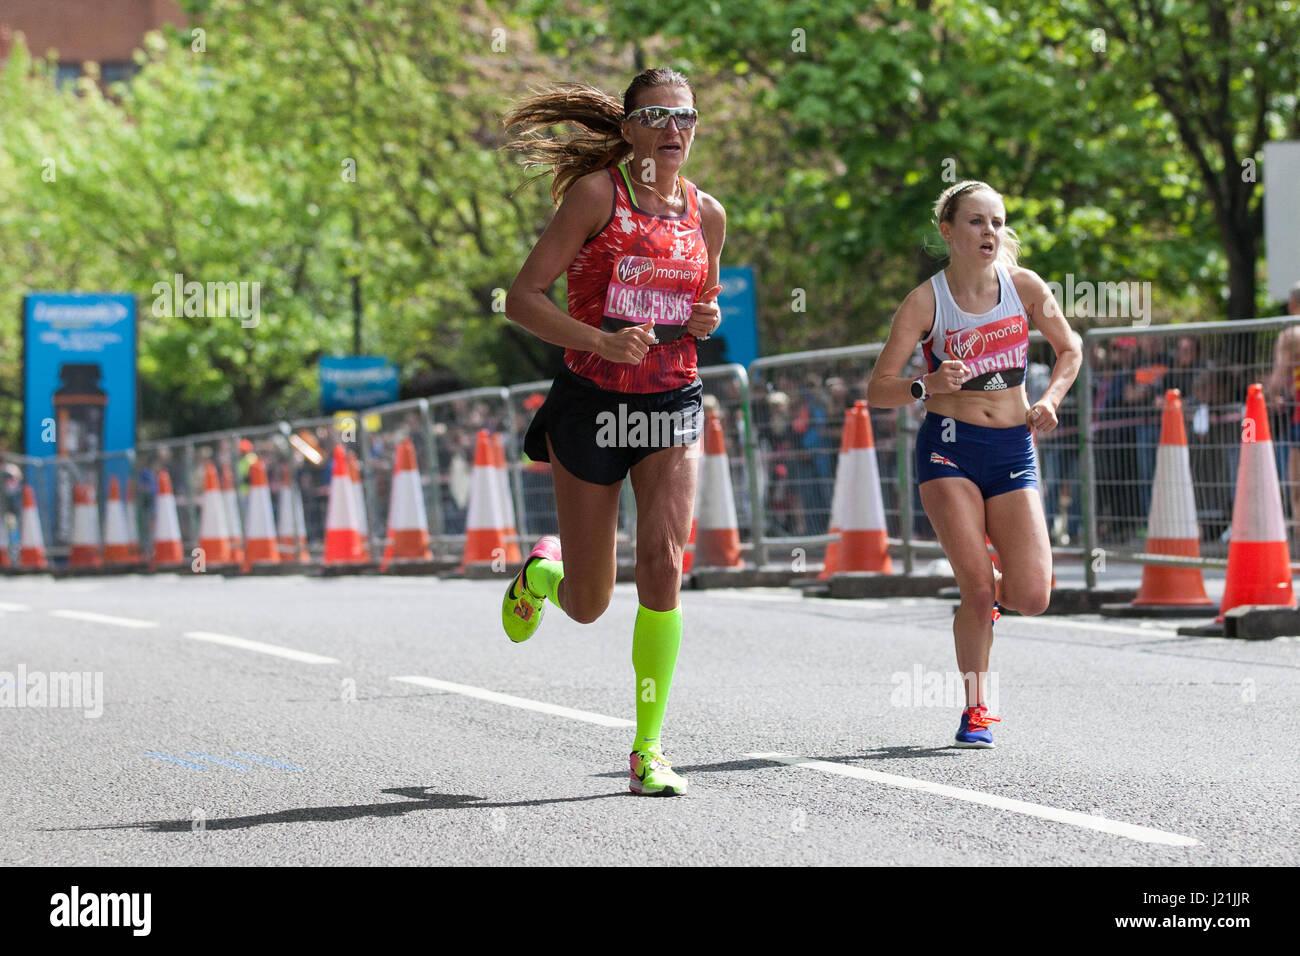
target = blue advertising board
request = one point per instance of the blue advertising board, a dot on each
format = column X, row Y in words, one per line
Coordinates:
column 78, row 373
column 352, row 382
column 738, row 302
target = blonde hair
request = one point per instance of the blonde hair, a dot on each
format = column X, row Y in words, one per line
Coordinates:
column 945, row 210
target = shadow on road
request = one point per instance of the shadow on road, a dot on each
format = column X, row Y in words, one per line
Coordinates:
column 419, row 799
column 880, row 753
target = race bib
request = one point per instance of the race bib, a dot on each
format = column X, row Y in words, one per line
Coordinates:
column 643, row 289
column 996, row 353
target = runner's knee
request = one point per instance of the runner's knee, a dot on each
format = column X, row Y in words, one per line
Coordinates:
column 980, row 594
column 1028, row 599
column 658, row 562
column 585, row 604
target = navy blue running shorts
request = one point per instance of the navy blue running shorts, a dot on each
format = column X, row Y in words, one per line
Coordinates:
column 598, row 435
column 997, row 460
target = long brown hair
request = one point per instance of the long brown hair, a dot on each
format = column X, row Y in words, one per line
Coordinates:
column 599, row 143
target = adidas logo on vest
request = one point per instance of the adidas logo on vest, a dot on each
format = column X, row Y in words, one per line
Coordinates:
column 995, row 383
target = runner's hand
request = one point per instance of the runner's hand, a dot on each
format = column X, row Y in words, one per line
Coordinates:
column 1042, row 416
column 948, row 377
column 627, row 346
column 705, row 314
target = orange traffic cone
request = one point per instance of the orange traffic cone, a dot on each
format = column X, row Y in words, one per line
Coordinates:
column 507, row 499
column 342, row 524
column 168, row 552
column 408, row 526
column 132, row 524
column 1259, row 562
column 358, row 492
column 1171, row 525
column 291, row 528
column 485, row 522
column 688, row 553
column 214, row 536
column 718, row 541
column 842, row 479
column 31, row 543
column 261, row 548
column 86, row 552
column 234, row 528
column 864, row 544
column 117, row 547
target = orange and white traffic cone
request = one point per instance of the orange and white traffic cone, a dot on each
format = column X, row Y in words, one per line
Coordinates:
column 86, row 552
column 285, row 532
column 117, row 547
column 291, row 527
column 485, row 521
column 864, row 542
column 1171, row 525
column 513, row 553
column 1259, row 562
column 688, row 553
column 408, row 526
column 31, row 542
column 261, row 549
column 717, row 544
column 342, row 524
column 358, row 491
column 168, row 552
column 234, row 527
column 214, row 535
column 843, row 481
column 132, row 524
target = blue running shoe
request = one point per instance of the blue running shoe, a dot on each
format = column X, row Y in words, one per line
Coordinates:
column 974, row 729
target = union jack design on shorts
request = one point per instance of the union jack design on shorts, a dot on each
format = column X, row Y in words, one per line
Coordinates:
column 938, row 459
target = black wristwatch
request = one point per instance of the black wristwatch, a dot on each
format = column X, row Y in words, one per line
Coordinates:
column 918, row 389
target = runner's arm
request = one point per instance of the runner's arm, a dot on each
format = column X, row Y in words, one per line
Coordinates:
column 705, row 315
column 911, row 323
column 1046, row 316
column 581, row 213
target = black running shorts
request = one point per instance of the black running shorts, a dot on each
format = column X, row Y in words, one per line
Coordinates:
column 599, row 435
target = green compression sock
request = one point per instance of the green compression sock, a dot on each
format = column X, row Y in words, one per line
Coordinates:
column 543, row 578
column 656, row 637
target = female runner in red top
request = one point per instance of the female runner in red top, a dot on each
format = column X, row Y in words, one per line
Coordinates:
column 640, row 245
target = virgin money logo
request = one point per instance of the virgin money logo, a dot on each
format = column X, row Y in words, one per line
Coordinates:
column 635, row 270
column 965, row 344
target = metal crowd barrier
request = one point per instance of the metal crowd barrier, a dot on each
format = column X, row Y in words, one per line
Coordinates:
column 783, row 421
column 1126, row 372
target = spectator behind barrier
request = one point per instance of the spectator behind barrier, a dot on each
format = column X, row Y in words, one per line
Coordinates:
column 1284, row 393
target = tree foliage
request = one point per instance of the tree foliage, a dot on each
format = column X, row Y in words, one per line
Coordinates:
column 345, row 155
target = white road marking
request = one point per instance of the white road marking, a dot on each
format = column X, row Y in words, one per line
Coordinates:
column 5, row 606
column 523, row 703
column 275, row 649
column 94, row 618
column 1072, row 817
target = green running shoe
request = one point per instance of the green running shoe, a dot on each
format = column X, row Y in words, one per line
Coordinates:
column 521, row 611
column 652, row 776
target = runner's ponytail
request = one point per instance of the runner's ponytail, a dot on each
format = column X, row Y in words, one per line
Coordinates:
column 598, row 144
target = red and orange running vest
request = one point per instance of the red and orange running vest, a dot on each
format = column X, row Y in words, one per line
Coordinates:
column 639, row 267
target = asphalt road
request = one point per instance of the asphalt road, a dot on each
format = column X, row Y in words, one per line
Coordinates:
column 800, row 723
